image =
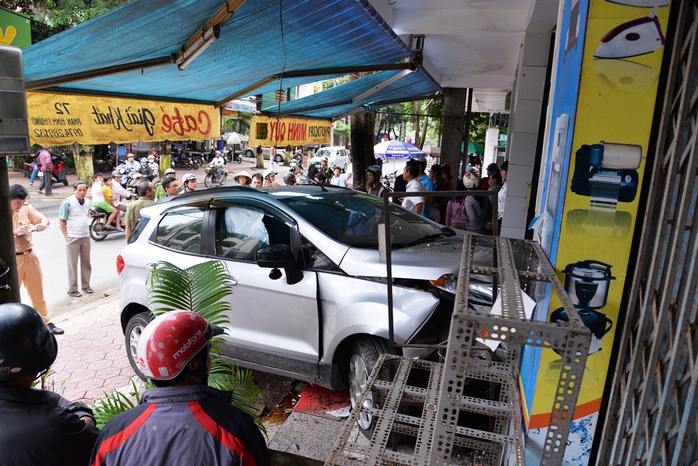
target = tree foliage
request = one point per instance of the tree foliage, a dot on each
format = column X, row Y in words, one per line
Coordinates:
column 50, row 17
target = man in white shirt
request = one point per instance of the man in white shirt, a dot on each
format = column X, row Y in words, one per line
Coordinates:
column 73, row 216
column 413, row 203
column 502, row 196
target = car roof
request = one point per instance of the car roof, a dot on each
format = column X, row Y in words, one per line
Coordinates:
column 311, row 189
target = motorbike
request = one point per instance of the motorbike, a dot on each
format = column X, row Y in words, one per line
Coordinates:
column 296, row 162
column 236, row 157
column 99, row 218
column 212, row 177
column 184, row 160
column 106, row 164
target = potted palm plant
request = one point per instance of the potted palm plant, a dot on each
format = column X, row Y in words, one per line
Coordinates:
column 202, row 288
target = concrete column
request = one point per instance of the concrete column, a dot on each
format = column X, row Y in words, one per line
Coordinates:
column 525, row 128
column 454, row 125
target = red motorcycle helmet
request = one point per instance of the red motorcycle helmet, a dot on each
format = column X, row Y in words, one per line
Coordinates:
column 170, row 341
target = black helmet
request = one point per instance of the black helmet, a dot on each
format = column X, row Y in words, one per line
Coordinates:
column 376, row 170
column 27, row 346
column 289, row 178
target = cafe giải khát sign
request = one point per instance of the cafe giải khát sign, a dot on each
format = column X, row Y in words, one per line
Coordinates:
column 62, row 119
column 270, row 131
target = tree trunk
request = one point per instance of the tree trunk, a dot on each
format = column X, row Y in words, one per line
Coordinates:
column 362, row 142
column 260, row 158
column 454, row 128
column 83, row 164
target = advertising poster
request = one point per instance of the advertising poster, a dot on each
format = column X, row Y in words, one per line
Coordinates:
column 15, row 29
column 280, row 132
column 62, row 119
column 622, row 56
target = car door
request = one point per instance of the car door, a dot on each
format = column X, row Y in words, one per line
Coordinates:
column 272, row 323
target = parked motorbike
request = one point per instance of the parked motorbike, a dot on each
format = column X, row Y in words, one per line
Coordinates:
column 213, row 178
column 236, row 157
column 98, row 232
column 184, row 160
column 106, row 164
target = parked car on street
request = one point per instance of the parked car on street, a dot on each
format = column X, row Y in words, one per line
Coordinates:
column 337, row 156
column 311, row 298
column 280, row 153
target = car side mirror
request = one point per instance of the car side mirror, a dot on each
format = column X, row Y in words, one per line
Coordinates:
column 280, row 256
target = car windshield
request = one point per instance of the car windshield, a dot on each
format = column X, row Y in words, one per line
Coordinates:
column 352, row 218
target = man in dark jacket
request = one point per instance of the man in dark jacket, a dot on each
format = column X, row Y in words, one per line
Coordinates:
column 183, row 421
column 38, row 426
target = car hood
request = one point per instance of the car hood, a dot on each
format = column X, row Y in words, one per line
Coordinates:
column 426, row 261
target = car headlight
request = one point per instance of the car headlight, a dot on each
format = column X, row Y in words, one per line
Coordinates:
column 446, row 282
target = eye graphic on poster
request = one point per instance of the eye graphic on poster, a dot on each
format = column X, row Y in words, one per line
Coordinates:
column 607, row 173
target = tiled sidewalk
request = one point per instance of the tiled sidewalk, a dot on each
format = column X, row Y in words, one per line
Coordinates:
column 91, row 355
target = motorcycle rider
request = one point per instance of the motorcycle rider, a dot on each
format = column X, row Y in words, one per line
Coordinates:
column 131, row 165
column 100, row 193
column 217, row 165
column 118, row 191
column 39, row 426
column 154, row 167
column 160, row 188
column 182, row 420
column 145, row 169
column 270, row 178
column 189, row 182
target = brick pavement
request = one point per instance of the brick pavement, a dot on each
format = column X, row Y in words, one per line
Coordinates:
column 91, row 355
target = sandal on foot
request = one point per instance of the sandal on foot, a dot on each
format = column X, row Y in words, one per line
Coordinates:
column 88, row 290
column 75, row 294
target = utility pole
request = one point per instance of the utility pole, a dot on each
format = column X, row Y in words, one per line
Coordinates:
column 14, row 140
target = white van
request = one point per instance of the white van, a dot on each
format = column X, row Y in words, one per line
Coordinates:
column 337, row 156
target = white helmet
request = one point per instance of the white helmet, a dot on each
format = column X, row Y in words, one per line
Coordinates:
column 471, row 180
column 188, row 176
column 151, row 158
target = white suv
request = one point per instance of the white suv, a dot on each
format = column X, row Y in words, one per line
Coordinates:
column 321, row 315
column 337, row 156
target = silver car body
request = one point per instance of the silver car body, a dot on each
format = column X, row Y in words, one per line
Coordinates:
column 300, row 330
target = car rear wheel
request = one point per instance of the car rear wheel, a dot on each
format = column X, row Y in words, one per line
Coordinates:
column 134, row 328
column 363, row 358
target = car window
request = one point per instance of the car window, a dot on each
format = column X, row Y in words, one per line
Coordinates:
column 138, row 229
column 314, row 258
column 353, row 219
column 242, row 230
column 181, row 230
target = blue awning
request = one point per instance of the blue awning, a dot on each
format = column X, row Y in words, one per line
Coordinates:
column 364, row 94
column 315, row 39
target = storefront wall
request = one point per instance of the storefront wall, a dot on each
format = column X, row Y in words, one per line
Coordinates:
column 608, row 59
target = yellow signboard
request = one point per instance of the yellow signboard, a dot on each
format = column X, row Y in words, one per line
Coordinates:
column 62, row 119
column 270, row 131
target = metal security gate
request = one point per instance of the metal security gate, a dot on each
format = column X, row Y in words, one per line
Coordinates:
column 652, row 410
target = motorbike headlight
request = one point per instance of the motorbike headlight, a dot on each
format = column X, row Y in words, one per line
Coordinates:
column 446, row 282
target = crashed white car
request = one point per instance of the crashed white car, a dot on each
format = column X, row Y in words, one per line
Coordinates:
column 311, row 298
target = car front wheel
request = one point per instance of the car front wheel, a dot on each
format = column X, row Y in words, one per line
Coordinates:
column 134, row 328
column 364, row 355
